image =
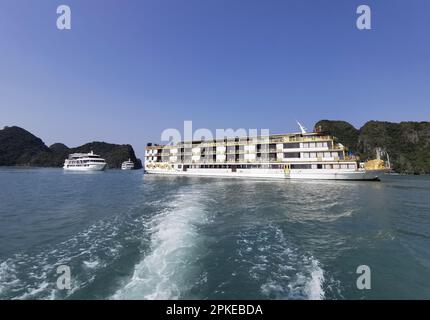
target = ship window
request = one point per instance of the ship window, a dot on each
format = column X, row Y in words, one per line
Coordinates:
column 291, row 145
column 313, row 155
column 319, row 166
column 292, row 155
column 326, row 154
column 305, row 154
column 300, row 166
column 311, row 144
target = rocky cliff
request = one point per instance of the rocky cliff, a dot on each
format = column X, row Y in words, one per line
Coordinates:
column 19, row 147
column 407, row 143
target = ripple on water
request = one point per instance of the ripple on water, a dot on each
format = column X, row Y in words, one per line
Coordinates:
column 283, row 271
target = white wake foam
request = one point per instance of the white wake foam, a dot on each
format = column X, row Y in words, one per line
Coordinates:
column 314, row 286
column 173, row 253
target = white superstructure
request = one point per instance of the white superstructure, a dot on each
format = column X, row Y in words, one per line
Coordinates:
column 286, row 156
column 84, row 162
column 127, row 165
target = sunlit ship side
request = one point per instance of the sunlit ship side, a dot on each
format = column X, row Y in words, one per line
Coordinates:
column 302, row 155
column 84, row 162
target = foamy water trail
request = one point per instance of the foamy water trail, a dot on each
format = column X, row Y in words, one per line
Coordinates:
column 33, row 276
column 314, row 286
column 174, row 251
column 284, row 271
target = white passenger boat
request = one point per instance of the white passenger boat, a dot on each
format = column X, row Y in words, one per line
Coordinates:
column 302, row 155
column 84, row 162
column 127, row 165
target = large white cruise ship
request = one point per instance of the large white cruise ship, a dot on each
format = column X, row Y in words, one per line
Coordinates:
column 302, row 155
column 84, row 162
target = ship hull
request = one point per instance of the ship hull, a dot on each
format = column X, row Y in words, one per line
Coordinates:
column 357, row 175
column 91, row 167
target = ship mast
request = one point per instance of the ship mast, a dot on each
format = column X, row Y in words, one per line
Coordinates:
column 302, row 128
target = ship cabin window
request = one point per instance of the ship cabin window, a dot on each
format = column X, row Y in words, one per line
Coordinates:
column 311, row 144
column 291, row 145
column 312, row 155
column 344, row 166
column 326, row 154
column 319, row 166
column 305, row 154
column 301, row 166
column 328, row 166
column 292, row 155
column 351, row 166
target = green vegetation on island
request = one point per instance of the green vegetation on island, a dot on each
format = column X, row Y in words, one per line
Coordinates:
column 19, row 147
column 407, row 143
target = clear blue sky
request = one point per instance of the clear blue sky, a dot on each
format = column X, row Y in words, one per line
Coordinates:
column 129, row 69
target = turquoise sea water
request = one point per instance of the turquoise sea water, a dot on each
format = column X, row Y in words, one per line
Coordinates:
column 129, row 236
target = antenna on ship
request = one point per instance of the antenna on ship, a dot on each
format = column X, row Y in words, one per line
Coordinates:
column 302, row 128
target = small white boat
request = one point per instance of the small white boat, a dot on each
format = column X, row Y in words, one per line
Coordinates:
column 127, row 165
column 84, row 162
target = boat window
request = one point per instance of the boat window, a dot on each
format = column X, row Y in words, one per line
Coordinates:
column 291, row 145
column 300, row 166
column 292, row 155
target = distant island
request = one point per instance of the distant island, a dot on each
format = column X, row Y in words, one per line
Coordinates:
column 407, row 143
column 18, row 147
